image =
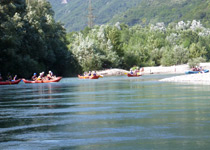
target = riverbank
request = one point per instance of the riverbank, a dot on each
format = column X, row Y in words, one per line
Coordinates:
column 192, row 78
column 178, row 69
column 166, row 70
column 112, row 72
column 147, row 70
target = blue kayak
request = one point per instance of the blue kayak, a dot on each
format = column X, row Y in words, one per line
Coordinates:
column 194, row 72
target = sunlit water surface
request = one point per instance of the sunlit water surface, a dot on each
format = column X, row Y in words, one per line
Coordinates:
column 111, row 113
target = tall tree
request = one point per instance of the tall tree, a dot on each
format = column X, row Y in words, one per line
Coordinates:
column 31, row 40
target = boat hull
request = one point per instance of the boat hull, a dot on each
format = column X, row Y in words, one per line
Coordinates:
column 9, row 82
column 94, row 77
column 57, row 79
column 132, row 75
column 88, row 77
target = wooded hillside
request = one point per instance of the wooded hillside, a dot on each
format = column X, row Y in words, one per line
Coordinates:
column 143, row 12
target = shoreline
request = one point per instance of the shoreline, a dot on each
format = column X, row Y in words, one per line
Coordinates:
column 147, row 70
column 179, row 69
column 112, row 72
column 191, row 78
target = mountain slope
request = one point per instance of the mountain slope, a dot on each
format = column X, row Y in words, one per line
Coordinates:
column 74, row 13
column 166, row 11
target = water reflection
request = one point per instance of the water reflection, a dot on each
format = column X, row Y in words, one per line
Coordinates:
column 111, row 113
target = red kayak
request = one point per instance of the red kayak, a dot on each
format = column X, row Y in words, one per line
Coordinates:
column 132, row 75
column 88, row 77
column 94, row 77
column 57, row 79
column 9, row 82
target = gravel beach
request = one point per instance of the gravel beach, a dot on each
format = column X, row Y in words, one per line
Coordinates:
column 193, row 78
column 179, row 69
column 147, row 70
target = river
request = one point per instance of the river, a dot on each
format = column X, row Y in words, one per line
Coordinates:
column 111, row 113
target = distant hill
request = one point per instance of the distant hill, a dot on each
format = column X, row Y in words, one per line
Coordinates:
column 153, row 11
column 73, row 13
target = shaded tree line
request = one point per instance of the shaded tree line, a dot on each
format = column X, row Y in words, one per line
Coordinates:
column 31, row 41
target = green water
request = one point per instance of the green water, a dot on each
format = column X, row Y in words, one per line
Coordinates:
column 111, row 113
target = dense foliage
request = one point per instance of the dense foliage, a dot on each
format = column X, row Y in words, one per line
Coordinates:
column 30, row 39
column 122, row 46
column 144, row 12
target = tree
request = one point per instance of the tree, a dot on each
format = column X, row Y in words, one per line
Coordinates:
column 31, row 40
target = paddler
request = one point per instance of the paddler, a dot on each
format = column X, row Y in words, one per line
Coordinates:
column 50, row 75
column 15, row 77
column 131, row 71
column 41, row 75
column 34, row 77
column 1, row 79
column 9, row 77
column 94, row 73
column 89, row 74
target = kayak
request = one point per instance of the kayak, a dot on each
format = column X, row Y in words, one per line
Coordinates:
column 57, row 79
column 194, row 72
column 132, row 75
column 83, row 77
column 88, row 77
column 94, row 77
column 9, row 82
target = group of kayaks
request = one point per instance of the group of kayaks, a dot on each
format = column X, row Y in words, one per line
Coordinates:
column 56, row 79
column 100, row 76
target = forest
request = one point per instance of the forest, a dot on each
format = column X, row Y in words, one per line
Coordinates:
column 32, row 41
column 121, row 46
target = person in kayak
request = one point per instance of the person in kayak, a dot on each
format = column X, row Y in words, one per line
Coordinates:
column 41, row 76
column 89, row 74
column 34, row 77
column 1, row 79
column 15, row 77
column 131, row 71
column 94, row 73
column 50, row 75
column 9, row 77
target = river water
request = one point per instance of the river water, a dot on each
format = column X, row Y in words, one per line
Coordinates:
column 111, row 113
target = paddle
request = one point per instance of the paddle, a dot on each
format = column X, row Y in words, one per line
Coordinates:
column 101, row 76
column 138, row 73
